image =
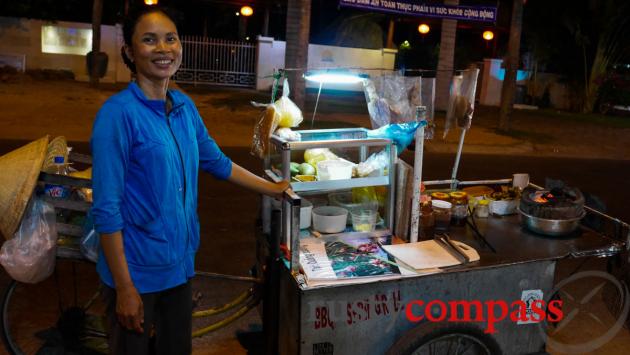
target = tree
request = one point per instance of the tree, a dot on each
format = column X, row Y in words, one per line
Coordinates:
column 511, row 66
column 296, row 54
column 613, row 24
column 360, row 31
column 97, row 14
column 445, row 59
column 579, row 40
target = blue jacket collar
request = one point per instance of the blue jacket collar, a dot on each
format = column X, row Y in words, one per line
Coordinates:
column 157, row 105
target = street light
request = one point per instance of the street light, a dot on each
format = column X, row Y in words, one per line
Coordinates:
column 247, row 11
column 488, row 35
column 150, row 2
column 424, row 28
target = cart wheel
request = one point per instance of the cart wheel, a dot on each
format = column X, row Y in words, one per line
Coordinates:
column 445, row 339
column 51, row 316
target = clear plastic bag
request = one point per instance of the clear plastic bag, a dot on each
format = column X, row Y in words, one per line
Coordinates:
column 266, row 125
column 90, row 242
column 290, row 114
column 374, row 165
column 461, row 102
column 30, row 256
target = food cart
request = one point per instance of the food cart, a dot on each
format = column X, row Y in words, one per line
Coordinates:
column 385, row 314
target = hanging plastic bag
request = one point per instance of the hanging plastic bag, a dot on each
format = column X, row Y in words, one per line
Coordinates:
column 90, row 242
column 266, row 125
column 461, row 102
column 29, row 256
column 290, row 114
column 401, row 133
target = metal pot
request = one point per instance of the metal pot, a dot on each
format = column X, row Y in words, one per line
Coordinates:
column 551, row 227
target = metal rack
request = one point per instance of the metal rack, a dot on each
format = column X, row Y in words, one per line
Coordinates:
column 347, row 138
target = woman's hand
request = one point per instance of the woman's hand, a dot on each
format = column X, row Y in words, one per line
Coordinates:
column 280, row 188
column 250, row 181
column 129, row 308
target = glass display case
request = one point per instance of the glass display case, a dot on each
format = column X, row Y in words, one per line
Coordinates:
column 349, row 146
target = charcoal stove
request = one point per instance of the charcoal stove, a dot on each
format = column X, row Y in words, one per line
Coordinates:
column 553, row 212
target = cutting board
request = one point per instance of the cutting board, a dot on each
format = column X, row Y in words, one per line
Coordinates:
column 428, row 254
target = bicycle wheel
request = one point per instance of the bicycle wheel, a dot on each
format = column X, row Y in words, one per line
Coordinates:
column 63, row 312
column 440, row 339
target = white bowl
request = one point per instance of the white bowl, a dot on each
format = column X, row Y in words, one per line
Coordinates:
column 334, row 170
column 329, row 219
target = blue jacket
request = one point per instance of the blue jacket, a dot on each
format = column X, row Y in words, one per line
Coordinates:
column 145, row 173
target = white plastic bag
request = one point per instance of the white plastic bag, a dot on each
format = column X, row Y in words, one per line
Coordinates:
column 30, row 256
column 290, row 114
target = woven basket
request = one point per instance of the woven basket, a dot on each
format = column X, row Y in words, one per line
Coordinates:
column 19, row 170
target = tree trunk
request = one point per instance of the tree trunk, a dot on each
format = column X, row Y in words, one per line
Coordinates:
column 296, row 54
column 97, row 14
column 390, row 34
column 445, row 60
column 511, row 66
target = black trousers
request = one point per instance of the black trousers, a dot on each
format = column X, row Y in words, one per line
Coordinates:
column 168, row 312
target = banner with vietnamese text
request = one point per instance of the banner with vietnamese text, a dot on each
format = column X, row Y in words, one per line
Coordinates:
column 466, row 13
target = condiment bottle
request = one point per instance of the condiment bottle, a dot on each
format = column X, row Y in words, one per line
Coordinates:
column 482, row 210
column 459, row 210
column 427, row 221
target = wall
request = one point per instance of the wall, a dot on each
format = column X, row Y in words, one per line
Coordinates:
column 492, row 81
column 270, row 55
column 24, row 37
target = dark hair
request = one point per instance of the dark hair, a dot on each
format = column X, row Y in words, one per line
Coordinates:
column 129, row 26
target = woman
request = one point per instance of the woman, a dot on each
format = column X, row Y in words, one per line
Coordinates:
column 148, row 143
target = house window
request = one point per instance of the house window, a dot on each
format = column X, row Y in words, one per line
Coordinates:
column 66, row 40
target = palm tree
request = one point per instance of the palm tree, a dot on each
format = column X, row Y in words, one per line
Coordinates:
column 613, row 26
column 445, row 61
column 511, row 66
column 296, row 54
column 97, row 15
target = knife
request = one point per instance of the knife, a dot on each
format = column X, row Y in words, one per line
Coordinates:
column 462, row 258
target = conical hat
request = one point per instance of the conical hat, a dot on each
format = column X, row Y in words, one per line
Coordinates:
column 19, row 170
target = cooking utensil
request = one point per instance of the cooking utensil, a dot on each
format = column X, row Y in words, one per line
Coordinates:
column 459, row 250
column 550, row 227
column 462, row 258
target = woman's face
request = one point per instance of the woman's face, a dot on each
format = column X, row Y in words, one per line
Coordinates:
column 155, row 47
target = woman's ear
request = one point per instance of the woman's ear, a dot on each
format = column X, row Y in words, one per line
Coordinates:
column 128, row 52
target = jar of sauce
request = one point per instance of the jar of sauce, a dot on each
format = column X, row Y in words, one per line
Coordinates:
column 459, row 211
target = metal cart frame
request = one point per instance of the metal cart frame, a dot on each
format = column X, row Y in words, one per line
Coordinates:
column 371, row 317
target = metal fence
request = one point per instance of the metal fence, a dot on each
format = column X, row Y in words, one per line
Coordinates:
column 217, row 62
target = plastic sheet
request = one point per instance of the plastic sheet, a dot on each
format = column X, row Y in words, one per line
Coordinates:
column 29, row 256
column 393, row 99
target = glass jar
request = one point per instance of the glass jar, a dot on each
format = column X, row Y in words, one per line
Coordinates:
column 482, row 210
column 459, row 211
column 427, row 221
column 441, row 214
column 443, row 196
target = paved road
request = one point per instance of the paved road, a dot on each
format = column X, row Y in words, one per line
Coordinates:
column 228, row 214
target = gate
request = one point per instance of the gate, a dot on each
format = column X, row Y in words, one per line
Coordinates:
column 217, row 62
